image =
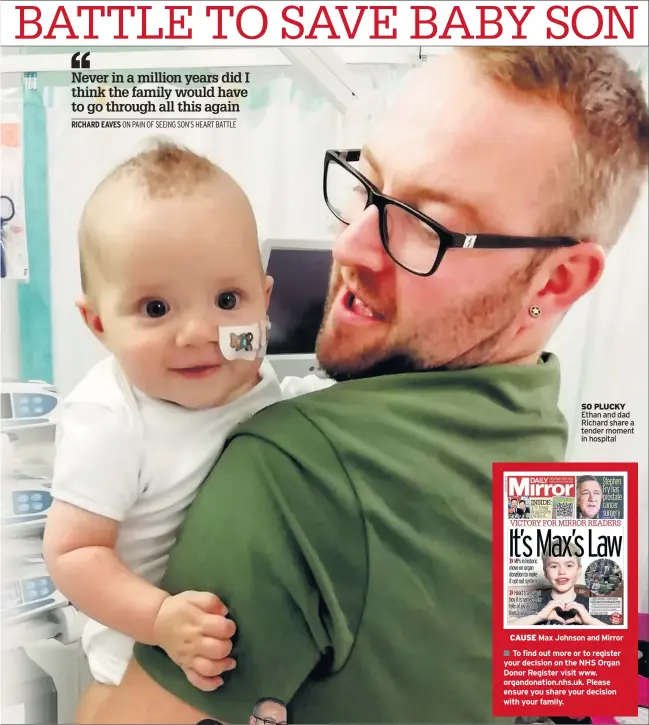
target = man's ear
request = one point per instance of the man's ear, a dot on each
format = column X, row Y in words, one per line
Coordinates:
column 268, row 288
column 90, row 317
column 579, row 270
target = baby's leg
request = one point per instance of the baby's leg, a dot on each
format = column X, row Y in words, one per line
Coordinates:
column 92, row 701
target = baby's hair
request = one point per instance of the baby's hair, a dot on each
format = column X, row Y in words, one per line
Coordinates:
column 570, row 550
column 163, row 170
column 167, row 169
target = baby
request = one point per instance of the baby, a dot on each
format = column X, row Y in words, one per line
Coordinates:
column 173, row 287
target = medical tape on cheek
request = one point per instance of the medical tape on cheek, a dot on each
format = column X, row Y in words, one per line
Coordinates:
column 243, row 342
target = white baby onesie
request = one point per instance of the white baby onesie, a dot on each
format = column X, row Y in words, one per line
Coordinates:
column 140, row 461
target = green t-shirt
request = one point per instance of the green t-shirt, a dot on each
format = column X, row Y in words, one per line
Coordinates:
column 349, row 533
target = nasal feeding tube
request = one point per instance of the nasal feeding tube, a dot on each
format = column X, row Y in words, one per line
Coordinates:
column 244, row 342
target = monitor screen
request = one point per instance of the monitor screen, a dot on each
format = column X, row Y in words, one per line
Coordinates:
column 297, row 302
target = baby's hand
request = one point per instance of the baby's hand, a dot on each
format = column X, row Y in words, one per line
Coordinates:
column 193, row 630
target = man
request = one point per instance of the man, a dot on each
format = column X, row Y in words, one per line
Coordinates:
column 349, row 532
column 269, row 711
column 521, row 511
column 513, row 507
column 589, row 497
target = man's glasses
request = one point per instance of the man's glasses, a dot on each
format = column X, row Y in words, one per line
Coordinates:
column 411, row 239
column 270, row 721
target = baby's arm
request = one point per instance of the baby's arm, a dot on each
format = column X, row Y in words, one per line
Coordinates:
column 79, row 549
column 292, row 386
column 95, row 484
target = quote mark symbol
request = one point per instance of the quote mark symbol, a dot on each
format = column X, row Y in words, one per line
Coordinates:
column 83, row 63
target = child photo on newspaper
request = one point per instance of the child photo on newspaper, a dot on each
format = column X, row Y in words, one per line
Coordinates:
column 565, row 601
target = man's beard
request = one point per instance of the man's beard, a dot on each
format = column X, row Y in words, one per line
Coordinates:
column 401, row 363
column 494, row 312
column 392, row 365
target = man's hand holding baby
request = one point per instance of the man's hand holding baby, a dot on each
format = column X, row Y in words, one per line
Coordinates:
column 193, row 629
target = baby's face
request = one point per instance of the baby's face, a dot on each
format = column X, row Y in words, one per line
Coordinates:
column 172, row 272
column 562, row 573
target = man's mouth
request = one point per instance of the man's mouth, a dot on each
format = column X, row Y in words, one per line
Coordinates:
column 357, row 306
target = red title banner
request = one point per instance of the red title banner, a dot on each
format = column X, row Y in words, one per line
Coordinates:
column 327, row 23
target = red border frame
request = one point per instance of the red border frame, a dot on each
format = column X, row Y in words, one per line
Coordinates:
column 499, row 641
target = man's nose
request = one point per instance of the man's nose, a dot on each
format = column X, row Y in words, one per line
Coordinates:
column 198, row 330
column 359, row 243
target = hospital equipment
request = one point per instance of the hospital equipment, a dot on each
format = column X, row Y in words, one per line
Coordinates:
column 42, row 659
column 29, row 694
column 27, row 587
column 28, row 404
column 7, row 213
column 300, row 270
column 44, row 670
column 24, row 505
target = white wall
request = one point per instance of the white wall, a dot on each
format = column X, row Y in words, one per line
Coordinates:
column 10, row 336
column 602, row 345
column 11, row 104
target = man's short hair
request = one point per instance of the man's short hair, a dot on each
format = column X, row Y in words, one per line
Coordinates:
column 260, row 702
column 592, row 195
column 583, row 479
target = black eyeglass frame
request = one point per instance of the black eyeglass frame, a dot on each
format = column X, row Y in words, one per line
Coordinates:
column 268, row 720
column 447, row 239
